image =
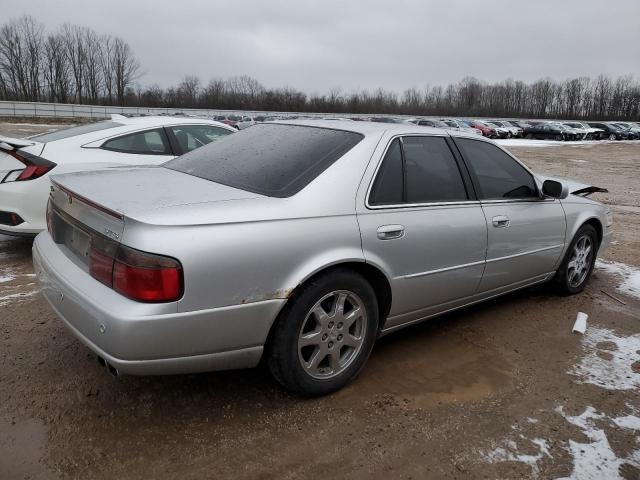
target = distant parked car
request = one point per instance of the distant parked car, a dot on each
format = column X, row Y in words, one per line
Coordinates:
column 633, row 131
column 487, row 130
column 611, row 131
column 428, row 122
column 386, row 120
column 518, row 123
column 25, row 164
column 231, row 120
column 460, row 126
column 515, row 131
column 301, row 243
column 570, row 133
column 245, row 122
column 548, row 131
column 589, row 133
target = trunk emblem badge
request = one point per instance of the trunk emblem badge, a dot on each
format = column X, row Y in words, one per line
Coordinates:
column 111, row 234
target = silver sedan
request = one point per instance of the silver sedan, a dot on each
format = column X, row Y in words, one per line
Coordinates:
column 303, row 242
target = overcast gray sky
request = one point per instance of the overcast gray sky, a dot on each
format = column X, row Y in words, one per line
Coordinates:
column 317, row 45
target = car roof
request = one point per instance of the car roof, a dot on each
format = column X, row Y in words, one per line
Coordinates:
column 160, row 120
column 365, row 127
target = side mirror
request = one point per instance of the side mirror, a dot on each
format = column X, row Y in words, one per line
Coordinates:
column 554, row 189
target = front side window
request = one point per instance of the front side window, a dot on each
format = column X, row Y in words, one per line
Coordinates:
column 149, row 142
column 497, row 175
column 418, row 170
column 190, row 137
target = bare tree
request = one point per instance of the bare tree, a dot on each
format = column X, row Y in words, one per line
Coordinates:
column 21, row 45
column 125, row 66
column 57, row 74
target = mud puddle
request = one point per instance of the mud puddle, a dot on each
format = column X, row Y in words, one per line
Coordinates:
column 424, row 367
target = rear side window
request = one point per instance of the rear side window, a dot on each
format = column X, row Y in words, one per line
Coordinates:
column 388, row 186
column 418, row 170
column 497, row 175
column 149, row 142
column 190, row 137
column 75, row 131
column 276, row 160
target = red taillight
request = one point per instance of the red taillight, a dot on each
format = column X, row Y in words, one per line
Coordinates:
column 35, row 167
column 140, row 276
column 147, row 284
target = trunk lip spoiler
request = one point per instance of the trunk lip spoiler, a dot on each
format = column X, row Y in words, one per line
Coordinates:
column 10, row 144
column 71, row 194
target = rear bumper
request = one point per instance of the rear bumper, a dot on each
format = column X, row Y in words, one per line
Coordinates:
column 27, row 199
column 150, row 339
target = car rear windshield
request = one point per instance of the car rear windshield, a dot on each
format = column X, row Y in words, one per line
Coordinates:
column 74, row 131
column 269, row 159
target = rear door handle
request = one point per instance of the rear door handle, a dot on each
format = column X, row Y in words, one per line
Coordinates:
column 500, row 221
column 389, row 232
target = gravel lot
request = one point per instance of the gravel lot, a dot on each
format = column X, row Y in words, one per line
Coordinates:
column 499, row 390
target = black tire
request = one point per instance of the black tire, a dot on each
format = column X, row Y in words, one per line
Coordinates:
column 529, row 136
column 561, row 280
column 612, row 136
column 284, row 359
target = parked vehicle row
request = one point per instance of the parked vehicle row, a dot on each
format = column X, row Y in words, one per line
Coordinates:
column 299, row 242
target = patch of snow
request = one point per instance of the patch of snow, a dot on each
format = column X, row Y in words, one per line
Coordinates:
column 594, row 460
column 630, row 422
column 6, row 277
column 532, row 420
column 6, row 299
column 613, row 368
column 510, row 453
column 630, row 276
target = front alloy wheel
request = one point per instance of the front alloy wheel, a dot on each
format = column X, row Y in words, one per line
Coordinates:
column 580, row 261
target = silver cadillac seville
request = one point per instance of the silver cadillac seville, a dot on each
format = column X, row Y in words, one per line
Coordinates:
column 301, row 243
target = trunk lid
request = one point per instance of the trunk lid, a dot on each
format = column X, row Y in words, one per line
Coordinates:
column 128, row 191
column 84, row 204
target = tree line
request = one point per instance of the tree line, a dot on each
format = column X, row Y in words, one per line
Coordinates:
column 77, row 65
column 72, row 65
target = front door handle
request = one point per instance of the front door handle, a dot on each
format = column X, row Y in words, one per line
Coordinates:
column 500, row 221
column 389, row 232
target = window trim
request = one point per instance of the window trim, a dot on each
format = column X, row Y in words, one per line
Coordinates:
column 466, row 181
column 173, row 141
column 116, row 137
column 475, row 182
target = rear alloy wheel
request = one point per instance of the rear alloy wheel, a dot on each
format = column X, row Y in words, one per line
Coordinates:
column 612, row 136
column 325, row 334
column 332, row 334
column 578, row 262
column 559, row 137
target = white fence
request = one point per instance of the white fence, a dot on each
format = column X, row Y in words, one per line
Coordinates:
column 68, row 110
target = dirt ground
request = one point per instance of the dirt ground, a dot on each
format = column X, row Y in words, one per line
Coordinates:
column 499, row 390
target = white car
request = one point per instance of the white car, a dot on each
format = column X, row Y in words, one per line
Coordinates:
column 587, row 132
column 461, row 127
column 25, row 164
